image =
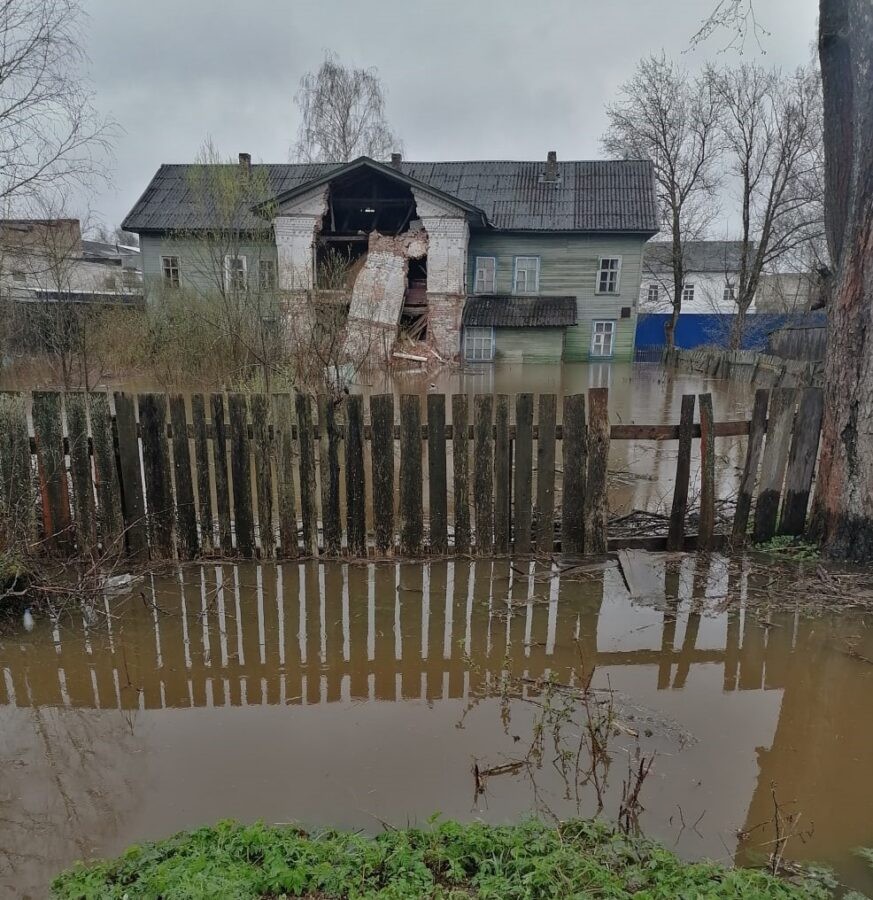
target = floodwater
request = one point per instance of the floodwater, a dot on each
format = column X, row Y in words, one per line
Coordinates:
column 360, row 695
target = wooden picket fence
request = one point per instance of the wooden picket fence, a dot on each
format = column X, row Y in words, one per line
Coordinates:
column 158, row 476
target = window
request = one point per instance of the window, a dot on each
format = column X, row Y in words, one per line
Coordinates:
column 479, row 344
column 527, row 275
column 267, row 274
column 235, row 273
column 602, row 338
column 170, row 270
column 729, row 296
column 687, row 293
column 486, row 275
column 608, row 274
column 18, row 276
column 654, row 294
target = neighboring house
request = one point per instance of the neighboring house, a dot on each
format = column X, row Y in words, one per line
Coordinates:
column 48, row 260
column 520, row 260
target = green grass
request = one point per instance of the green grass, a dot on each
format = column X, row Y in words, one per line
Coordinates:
column 448, row 860
column 790, row 548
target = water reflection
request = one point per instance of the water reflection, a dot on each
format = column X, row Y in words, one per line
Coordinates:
column 332, row 693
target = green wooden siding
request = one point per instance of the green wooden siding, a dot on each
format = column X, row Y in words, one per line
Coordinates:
column 568, row 266
column 528, row 344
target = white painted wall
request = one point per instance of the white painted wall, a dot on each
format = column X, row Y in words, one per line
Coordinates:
column 708, row 292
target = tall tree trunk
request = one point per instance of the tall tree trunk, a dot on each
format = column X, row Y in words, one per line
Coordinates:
column 843, row 516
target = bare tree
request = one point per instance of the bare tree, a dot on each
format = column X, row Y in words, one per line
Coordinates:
column 667, row 116
column 343, row 115
column 771, row 131
column 50, row 133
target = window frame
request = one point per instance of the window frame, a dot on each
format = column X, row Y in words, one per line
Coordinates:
column 273, row 269
column 600, row 270
column 467, row 335
column 657, row 288
column 686, row 286
column 612, row 334
column 729, row 293
column 476, row 289
column 167, row 277
column 527, row 291
column 228, row 285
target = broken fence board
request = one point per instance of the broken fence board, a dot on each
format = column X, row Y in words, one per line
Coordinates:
column 483, row 472
column 52, row 471
column 110, row 521
column 156, row 468
column 283, row 415
column 641, row 575
column 523, row 500
column 676, row 532
column 84, row 509
column 598, row 460
column 132, row 499
column 461, row 471
column 575, row 464
column 801, row 461
column 220, row 446
column 757, row 429
column 308, row 507
column 328, row 462
column 186, row 516
column 707, row 474
column 382, row 465
column 773, row 463
column 201, row 467
column 502, row 476
column 356, row 529
column 545, row 516
column 411, row 513
column 436, row 473
column 241, row 475
column 260, row 404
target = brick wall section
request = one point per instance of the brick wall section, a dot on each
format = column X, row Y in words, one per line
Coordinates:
column 444, row 323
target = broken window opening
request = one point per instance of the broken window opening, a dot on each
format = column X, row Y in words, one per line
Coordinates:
column 363, row 201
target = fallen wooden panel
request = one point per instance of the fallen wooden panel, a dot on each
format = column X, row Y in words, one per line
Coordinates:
column 641, row 575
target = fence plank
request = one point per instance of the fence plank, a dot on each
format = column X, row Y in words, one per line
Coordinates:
column 574, row 440
column 356, row 527
column 109, row 517
column 80, row 471
column 750, row 469
column 220, row 443
column 523, row 505
column 436, row 473
column 461, row 472
column 773, row 463
column 801, row 461
column 328, row 462
column 132, row 501
column 241, row 475
column 545, row 530
column 260, row 404
column 502, row 476
column 156, row 468
column 411, row 513
column 186, row 517
column 52, row 471
column 16, row 482
column 308, row 508
column 483, row 472
column 676, row 531
column 284, row 450
column 382, row 463
column 201, row 467
column 598, row 459
column 707, row 474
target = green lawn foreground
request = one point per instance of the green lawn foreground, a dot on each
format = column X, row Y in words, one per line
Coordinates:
column 447, row 860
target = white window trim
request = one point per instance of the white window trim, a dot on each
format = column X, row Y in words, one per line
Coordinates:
column 688, row 285
column 483, row 359
column 650, row 287
column 476, row 275
column 227, row 273
column 536, row 287
column 165, row 280
column 617, row 290
column 613, row 334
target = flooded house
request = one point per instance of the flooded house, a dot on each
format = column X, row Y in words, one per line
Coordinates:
column 482, row 260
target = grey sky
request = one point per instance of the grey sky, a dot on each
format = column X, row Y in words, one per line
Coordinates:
column 466, row 79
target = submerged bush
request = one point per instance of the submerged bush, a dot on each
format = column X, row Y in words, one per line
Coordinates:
column 450, row 860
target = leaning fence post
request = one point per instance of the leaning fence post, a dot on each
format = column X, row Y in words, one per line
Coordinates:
column 773, row 463
column 707, row 474
column 801, row 461
column 676, row 533
column 598, row 460
column 757, row 427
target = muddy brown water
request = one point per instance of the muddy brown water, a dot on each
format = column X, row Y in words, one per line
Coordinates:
column 357, row 695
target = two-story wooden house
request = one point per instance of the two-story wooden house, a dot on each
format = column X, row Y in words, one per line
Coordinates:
column 516, row 260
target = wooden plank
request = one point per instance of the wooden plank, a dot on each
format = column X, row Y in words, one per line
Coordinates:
column 220, row 444
column 758, row 427
column 16, row 482
column 598, row 460
column 707, row 474
column 436, row 473
column 52, row 472
column 241, row 475
column 382, row 464
column 156, row 468
column 84, row 509
column 545, row 529
column 575, row 464
column 502, row 476
column 284, row 450
column 356, row 527
column 483, row 472
column 411, row 513
column 260, row 404
column 110, row 522
column 673, row 432
column 773, row 463
column 201, row 467
column 641, row 575
column 132, row 501
column 676, row 532
column 801, row 461
column 523, row 500
column 461, row 472
column 328, row 463
column 186, row 516
column 308, row 506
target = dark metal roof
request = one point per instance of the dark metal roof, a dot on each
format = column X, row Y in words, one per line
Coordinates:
column 509, row 311
column 598, row 195
column 699, row 256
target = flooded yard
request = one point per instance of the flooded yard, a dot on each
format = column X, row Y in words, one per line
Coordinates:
column 361, row 696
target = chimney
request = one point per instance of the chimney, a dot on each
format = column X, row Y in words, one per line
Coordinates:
column 396, row 159
column 551, row 166
column 245, row 161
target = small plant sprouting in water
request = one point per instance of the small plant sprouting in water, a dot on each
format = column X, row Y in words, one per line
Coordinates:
column 790, row 547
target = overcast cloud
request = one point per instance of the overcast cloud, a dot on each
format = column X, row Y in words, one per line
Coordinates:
column 466, row 79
